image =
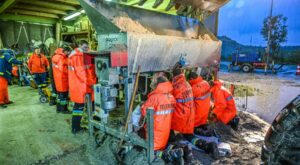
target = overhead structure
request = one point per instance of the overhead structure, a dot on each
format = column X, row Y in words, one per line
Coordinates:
column 37, row 11
column 199, row 9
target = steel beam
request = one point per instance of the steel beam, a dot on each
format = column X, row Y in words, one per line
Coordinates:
column 33, row 13
column 7, row 4
column 39, row 9
column 50, row 5
column 25, row 18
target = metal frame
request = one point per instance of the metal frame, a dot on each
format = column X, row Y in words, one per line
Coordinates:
column 132, row 138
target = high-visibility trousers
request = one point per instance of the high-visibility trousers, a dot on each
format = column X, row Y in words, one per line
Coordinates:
column 4, row 99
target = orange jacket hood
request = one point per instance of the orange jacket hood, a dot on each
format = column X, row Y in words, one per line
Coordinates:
column 165, row 87
column 59, row 51
column 196, row 81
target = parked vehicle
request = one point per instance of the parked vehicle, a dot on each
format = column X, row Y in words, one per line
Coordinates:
column 249, row 62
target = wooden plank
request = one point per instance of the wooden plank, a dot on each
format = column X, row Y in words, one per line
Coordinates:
column 26, row 18
column 71, row 2
column 50, row 5
column 7, row 4
column 40, row 9
column 33, row 13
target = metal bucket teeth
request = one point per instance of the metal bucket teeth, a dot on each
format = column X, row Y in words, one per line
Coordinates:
column 157, row 3
column 141, row 2
column 170, row 5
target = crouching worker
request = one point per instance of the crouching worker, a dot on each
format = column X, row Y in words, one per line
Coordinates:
column 163, row 102
column 224, row 106
column 201, row 92
column 60, row 74
column 183, row 120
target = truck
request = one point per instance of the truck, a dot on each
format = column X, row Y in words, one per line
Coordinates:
column 248, row 62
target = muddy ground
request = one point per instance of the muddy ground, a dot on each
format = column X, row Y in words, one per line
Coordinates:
column 33, row 133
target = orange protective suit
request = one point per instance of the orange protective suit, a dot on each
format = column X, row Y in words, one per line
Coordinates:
column 38, row 63
column 201, row 92
column 224, row 105
column 4, row 98
column 60, row 70
column 163, row 102
column 184, row 115
column 82, row 77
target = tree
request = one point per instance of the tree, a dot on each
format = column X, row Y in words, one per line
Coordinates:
column 279, row 32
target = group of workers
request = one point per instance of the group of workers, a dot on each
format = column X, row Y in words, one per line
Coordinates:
column 37, row 65
column 181, row 110
column 73, row 78
column 181, row 107
column 71, row 75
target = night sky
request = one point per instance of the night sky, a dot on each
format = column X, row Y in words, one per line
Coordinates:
column 241, row 19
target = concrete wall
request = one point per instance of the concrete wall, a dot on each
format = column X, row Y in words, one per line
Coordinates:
column 10, row 30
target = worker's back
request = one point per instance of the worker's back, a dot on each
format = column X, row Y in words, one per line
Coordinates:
column 201, row 92
column 81, row 77
column 183, row 117
column 163, row 102
column 224, row 104
column 60, row 70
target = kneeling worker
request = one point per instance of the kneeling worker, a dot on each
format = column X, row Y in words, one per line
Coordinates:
column 163, row 102
column 224, row 106
column 60, row 74
column 6, row 60
column 201, row 92
column 183, row 120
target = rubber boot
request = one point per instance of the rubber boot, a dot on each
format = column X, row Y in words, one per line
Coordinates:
column 64, row 109
column 2, row 106
column 58, row 108
column 52, row 101
column 76, row 124
column 174, row 156
column 209, row 147
column 188, row 154
column 234, row 123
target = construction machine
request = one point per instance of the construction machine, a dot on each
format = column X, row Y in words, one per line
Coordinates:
column 139, row 38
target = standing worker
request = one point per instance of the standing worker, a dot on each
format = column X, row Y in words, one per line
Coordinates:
column 6, row 60
column 81, row 80
column 38, row 66
column 60, row 75
column 201, row 92
column 224, row 106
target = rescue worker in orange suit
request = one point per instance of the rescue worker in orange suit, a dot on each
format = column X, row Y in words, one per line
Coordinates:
column 39, row 65
column 60, row 74
column 224, row 106
column 183, row 120
column 81, row 80
column 163, row 103
column 201, row 92
column 6, row 60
